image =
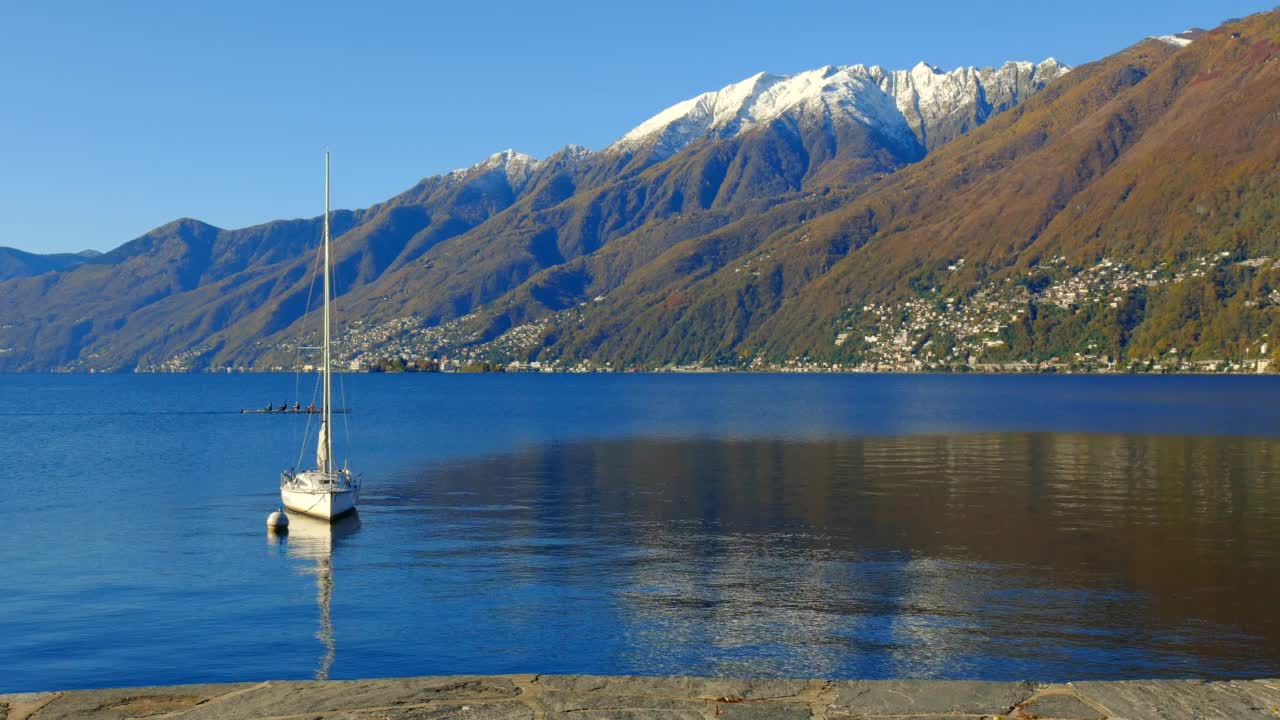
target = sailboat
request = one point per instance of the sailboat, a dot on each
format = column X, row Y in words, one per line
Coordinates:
column 327, row 491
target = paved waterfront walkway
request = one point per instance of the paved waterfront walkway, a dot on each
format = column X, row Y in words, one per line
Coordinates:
column 576, row 697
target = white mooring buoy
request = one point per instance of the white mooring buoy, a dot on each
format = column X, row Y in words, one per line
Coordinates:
column 278, row 521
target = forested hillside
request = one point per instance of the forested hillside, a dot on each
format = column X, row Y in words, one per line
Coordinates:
column 1122, row 215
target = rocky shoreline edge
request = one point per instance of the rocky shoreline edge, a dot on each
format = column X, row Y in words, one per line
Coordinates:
column 583, row 697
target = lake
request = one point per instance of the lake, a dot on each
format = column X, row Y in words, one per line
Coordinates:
column 1039, row 527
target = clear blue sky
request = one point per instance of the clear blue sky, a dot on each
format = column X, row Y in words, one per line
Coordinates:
column 116, row 117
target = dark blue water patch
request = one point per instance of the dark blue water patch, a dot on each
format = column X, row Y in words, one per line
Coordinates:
column 859, row 527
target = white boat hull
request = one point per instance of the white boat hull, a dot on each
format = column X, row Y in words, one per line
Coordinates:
column 325, row 505
column 314, row 494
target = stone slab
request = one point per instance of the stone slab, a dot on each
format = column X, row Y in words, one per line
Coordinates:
column 481, row 711
column 928, row 718
column 629, row 714
column 573, row 702
column 122, row 703
column 652, row 698
column 675, row 687
column 601, row 704
column 1057, row 706
column 302, row 697
column 23, row 705
column 1184, row 699
column 527, row 697
column 923, row 697
column 762, row 711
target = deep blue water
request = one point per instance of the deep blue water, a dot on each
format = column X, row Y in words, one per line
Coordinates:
column 842, row 526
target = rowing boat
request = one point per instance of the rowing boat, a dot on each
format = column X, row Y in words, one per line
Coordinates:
column 303, row 411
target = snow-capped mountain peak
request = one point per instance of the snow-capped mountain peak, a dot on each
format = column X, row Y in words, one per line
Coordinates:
column 1181, row 39
column 892, row 102
column 508, row 165
column 516, row 167
column 573, row 152
column 759, row 99
column 924, row 70
column 510, row 161
column 679, row 124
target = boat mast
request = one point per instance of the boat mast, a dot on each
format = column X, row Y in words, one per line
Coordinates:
column 327, row 417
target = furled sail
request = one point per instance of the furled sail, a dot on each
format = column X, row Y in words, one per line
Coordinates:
column 322, row 447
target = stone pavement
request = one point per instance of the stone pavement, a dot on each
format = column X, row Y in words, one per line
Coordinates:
column 578, row 697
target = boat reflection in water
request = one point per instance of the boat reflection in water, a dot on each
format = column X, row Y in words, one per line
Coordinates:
column 315, row 539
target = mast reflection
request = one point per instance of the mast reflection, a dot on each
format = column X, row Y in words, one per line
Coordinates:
column 315, row 539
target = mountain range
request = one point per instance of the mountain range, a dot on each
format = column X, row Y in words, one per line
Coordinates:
column 1119, row 212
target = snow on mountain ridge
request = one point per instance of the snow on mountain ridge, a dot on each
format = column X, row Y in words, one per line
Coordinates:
column 921, row 97
column 683, row 122
column 515, row 167
column 923, row 105
column 573, row 152
column 518, row 166
column 509, row 160
column 930, row 98
column 1181, row 39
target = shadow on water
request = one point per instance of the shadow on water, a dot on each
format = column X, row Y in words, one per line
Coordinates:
column 989, row 555
column 314, row 540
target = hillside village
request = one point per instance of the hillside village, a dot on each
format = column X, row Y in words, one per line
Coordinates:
column 938, row 331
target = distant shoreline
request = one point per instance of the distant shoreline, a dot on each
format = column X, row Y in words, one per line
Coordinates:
column 687, row 371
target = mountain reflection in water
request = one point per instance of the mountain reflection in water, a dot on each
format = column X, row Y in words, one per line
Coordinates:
column 990, row 555
column 993, row 527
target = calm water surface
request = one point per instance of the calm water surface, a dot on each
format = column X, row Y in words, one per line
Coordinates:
column 858, row 527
